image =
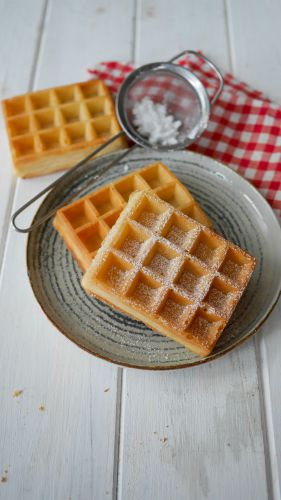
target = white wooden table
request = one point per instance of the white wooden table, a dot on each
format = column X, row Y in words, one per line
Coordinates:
column 210, row 432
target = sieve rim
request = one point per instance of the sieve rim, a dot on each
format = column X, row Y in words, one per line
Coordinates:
column 182, row 72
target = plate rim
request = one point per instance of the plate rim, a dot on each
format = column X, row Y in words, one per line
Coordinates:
column 207, row 359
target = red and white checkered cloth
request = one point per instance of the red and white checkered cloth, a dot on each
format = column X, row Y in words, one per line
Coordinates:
column 244, row 130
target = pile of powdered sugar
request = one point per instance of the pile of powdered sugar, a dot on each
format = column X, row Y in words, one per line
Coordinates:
column 153, row 122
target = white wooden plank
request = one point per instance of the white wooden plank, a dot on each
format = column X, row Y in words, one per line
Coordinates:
column 194, row 433
column 268, row 345
column 163, row 30
column 16, row 62
column 67, row 450
column 92, row 32
column 255, row 43
column 256, row 59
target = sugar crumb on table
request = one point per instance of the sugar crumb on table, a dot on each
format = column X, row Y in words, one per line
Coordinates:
column 17, row 393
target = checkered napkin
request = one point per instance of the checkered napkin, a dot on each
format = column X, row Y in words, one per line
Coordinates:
column 244, row 130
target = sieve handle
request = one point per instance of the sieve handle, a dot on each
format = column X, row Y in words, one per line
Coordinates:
column 55, row 183
column 211, row 64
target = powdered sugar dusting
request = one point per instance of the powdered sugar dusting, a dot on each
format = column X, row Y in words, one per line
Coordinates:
column 172, row 311
column 159, row 264
column 131, row 246
column 176, row 235
column 189, row 282
column 202, row 329
column 232, row 270
column 205, row 253
column 148, row 219
column 145, row 294
column 218, row 299
column 116, row 276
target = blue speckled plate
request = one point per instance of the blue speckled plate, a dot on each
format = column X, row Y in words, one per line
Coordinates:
column 240, row 214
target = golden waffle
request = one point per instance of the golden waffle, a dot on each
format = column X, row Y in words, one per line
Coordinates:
column 167, row 270
column 53, row 129
column 84, row 224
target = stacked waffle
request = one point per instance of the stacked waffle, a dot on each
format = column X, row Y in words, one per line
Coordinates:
column 169, row 271
column 148, row 250
column 54, row 129
column 85, row 223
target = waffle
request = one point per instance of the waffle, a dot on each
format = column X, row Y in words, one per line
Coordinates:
column 176, row 275
column 84, row 224
column 53, row 129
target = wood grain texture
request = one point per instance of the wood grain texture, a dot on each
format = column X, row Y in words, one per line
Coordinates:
column 269, row 347
column 254, row 30
column 81, row 35
column 193, row 433
column 162, row 31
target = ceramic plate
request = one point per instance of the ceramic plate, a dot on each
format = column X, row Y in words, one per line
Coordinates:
column 240, row 214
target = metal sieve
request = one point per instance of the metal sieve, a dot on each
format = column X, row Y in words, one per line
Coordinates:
column 180, row 90
column 177, row 88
